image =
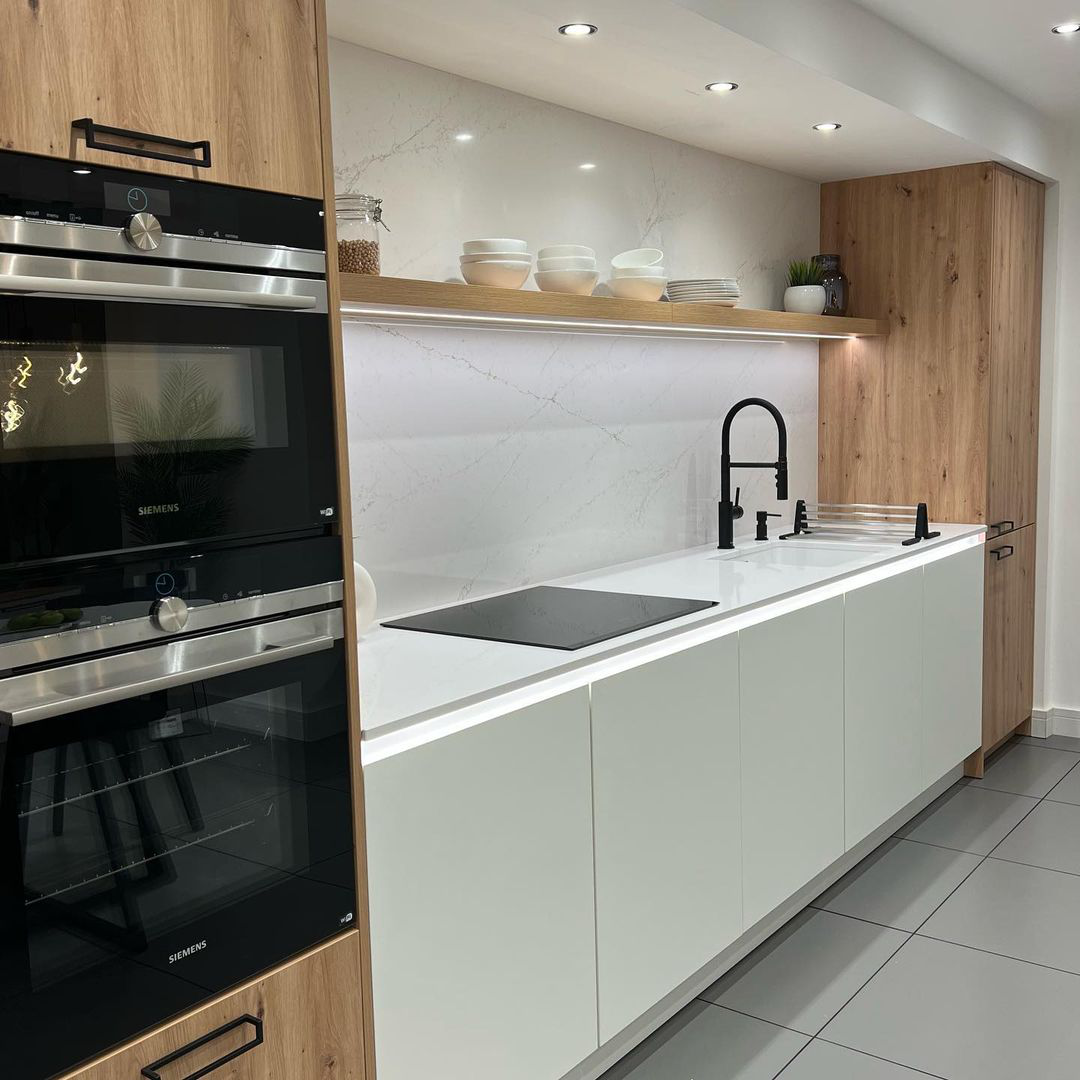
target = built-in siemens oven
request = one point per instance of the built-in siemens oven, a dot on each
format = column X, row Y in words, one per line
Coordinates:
column 175, row 814
column 175, row 804
column 164, row 362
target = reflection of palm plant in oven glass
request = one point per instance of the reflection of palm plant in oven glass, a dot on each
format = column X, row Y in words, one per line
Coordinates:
column 181, row 456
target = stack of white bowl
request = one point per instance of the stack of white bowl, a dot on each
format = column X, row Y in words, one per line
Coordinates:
column 496, row 261
column 638, row 274
column 566, row 268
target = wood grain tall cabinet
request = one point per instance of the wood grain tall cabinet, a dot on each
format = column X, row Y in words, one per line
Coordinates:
column 945, row 409
column 249, row 77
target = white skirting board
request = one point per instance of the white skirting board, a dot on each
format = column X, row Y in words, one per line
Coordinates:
column 617, row 1048
column 1055, row 721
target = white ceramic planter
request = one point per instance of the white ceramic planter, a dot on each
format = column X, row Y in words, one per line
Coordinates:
column 805, row 299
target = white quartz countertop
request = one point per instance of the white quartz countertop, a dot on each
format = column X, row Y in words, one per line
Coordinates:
column 411, row 682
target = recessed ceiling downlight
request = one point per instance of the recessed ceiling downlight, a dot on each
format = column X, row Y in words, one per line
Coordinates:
column 1066, row 28
column 722, row 87
column 577, row 29
column 828, row 126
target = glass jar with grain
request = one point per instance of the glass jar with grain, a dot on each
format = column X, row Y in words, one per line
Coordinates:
column 358, row 221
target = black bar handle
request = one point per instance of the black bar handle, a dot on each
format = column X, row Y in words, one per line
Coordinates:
column 92, row 131
column 1001, row 526
column 151, row 1070
column 1003, row 552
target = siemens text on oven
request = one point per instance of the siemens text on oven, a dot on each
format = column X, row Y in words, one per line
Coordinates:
column 159, row 508
column 183, row 953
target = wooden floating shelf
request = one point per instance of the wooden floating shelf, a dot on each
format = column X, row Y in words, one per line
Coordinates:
column 447, row 302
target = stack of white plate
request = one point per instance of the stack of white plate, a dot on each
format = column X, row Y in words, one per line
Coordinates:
column 496, row 261
column 566, row 268
column 723, row 291
column 638, row 274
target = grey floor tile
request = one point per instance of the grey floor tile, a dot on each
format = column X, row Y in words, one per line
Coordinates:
column 1056, row 742
column 1026, row 770
column 1069, row 788
column 966, row 1015
column 805, row 972
column 968, row 819
column 709, row 1043
column 1048, row 837
column 1020, row 911
column 825, row 1061
column 900, row 884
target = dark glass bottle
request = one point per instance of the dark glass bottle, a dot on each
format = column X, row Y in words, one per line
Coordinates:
column 835, row 282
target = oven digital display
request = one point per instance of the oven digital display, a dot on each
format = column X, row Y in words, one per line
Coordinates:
column 136, row 200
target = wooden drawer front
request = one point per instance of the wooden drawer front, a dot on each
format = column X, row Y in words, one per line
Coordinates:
column 240, row 73
column 309, row 1011
column 1009, row 634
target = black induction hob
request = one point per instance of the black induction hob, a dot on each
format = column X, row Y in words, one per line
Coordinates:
column 551, row 617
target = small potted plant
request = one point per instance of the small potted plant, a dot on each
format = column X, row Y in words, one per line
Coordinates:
column 805, row 292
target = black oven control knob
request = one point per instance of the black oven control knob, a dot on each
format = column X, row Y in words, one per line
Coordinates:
column 144, row 232
column 170, row 614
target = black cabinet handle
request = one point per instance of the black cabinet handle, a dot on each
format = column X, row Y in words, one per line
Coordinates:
column 1003, row 526
column 93, row 142
column 1003, row 552
column 151, row 1071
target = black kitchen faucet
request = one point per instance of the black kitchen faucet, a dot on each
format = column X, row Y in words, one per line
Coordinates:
column 730, row 511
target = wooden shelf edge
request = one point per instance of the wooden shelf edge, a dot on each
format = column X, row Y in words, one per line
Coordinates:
column 427, row 298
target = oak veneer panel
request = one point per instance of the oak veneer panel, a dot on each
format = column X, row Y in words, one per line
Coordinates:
column 309, row 1008
column 1008, row 635
column 1016, row 303
column 241, row 73
column 454, row 296
column 345, row 530
column 905, row 418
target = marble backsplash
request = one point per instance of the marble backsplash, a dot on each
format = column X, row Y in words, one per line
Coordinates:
column 394, row 128
column 487, row 459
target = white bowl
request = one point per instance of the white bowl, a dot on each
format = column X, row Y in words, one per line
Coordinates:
column 639, row 271
column 581, row 282
column 559, row 251
column 479, row 247
column 501, row 273
column 638, row 288
column 566, row 262
column 638, row 257
column 497, row 256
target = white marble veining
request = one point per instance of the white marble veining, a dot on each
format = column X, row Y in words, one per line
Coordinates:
column 410, row 680
column 394, row 127
column 482, row 460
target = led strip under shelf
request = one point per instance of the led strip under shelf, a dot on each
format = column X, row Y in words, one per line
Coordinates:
column 380, row 313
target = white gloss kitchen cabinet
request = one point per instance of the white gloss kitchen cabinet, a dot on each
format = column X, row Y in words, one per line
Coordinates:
column 541, row 881
column 792, row 693
column 483, row 946
column 667, row 825
column 883, row 659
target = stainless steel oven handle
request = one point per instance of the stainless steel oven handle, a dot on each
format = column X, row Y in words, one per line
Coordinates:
column 26, row 699
column 129, row 290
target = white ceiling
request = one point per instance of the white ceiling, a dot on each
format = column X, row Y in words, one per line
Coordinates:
column 1007, row 42
column 648, row 67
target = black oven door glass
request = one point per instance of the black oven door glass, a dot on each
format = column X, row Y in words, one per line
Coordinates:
column 158, row 850
column 126, row 425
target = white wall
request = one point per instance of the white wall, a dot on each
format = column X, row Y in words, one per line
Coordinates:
column 486, row 459
column 1059, row 479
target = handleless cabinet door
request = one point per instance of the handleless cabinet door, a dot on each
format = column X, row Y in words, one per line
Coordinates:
column 242, row 74
column 309, row 1010
column 667, row 808
column 480, row 874
column 882, row 701
column 952, row 661
column 791, row 685
column 1008, row 636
